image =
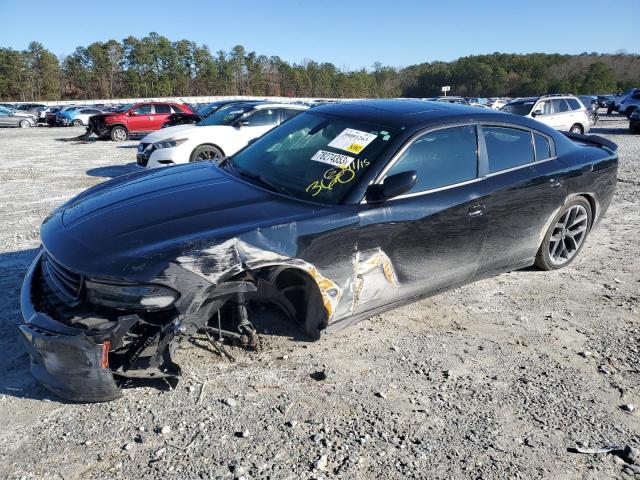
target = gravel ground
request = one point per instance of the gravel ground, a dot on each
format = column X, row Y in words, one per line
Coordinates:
column 494, row 380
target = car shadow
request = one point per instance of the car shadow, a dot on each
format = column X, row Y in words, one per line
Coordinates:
column 15, row 379
column 127, row 146
column 113, row 171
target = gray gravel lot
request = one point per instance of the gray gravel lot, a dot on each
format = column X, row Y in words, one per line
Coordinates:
column 494, row 380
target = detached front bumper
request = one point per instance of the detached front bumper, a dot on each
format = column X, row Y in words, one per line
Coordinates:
column 65, row 360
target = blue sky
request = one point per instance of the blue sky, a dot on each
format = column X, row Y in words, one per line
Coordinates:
column 348, row 33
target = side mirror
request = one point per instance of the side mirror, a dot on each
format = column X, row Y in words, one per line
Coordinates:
column 392, row 186
column 242, row 123
column 537, row 112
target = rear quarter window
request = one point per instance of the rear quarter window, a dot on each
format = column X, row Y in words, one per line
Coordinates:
column 543, row 147
column 574, row 104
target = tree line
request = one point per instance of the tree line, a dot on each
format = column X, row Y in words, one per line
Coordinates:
column 154, row 66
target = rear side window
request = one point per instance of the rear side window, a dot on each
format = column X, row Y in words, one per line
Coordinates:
column 507, row 147
column 443, row 157
column 560, row 105
column 575, row 104
column 162, row 108
column 176, row 109
column 543, row 148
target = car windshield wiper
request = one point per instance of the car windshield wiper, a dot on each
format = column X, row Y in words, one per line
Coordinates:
column 264, row 182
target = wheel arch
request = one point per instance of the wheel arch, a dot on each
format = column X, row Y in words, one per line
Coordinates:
column 114, row 125
column 209, row 144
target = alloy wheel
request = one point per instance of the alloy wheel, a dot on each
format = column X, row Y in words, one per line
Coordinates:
column 208, row 154
column 120, row 135
column 568, row 234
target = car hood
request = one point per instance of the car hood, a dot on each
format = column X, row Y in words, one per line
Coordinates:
column 117, row 227
column 166, row 133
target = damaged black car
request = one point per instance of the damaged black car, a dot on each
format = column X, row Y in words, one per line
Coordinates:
column 343, row 212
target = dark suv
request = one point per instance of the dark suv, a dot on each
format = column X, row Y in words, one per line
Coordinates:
column 134, row 118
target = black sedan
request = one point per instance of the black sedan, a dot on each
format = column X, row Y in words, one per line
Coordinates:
column 634, row 121
column 201, row 113
column 343, row 212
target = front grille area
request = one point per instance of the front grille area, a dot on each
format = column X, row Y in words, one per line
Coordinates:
column 65, row 283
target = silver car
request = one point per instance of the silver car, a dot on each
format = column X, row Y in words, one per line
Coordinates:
column 11, row 118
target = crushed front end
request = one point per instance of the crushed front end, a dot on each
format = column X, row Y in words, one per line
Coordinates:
column 81, row 346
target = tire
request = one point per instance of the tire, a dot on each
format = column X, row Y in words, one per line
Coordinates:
column 562, row 244
column 629, row 112
column 25, row 124
column 576, row 128
column 206, row 152
column 119, row 134
column 76, row 123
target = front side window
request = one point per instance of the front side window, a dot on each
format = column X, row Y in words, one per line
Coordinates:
column 544, row 108
column 143, row 110
column 314, row 156
column 260, row 118
column 176, row 109
column 441, row 158
column 507, row 147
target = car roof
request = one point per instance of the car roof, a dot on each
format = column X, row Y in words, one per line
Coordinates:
column 417, row 114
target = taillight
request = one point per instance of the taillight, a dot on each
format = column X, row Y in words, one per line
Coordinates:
column 104, row 358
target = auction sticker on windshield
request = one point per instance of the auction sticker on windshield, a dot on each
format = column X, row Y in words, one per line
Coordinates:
column 353, row 141
column 335, row 159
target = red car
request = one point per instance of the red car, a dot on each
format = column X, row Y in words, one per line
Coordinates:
column 134, row 118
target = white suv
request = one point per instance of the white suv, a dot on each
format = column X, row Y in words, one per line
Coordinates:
column 221, row 134
column 562, row 112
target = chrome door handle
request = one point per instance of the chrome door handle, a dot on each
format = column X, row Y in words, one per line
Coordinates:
column 476, row 210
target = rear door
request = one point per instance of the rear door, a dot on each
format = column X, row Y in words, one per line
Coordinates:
column 563, row 114
column 524, row 188
column 161, row 114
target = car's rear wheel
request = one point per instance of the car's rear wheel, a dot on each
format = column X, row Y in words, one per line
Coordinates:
column 77, row 123
column 206, row 152
column 576, row 128
column 119, row 134
column 566, row 235
column 24, row 124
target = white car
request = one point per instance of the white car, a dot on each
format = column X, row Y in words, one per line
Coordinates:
column 221, row 134
column 562, row 112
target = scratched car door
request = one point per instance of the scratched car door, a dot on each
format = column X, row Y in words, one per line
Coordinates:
column 432, row 236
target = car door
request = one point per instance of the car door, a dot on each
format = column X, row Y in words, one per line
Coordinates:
column 4, row 118
column 161, row 114
column 543, row 112
column 140, row 118
column 523, row 189
column 563, row 116
column 431, row 237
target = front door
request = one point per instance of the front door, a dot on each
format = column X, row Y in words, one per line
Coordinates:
column 431, row 237
column 140, row 118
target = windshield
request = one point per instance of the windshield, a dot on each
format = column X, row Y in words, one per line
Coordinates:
column 123, row 108
column 225, row 115
column 313, row 156
column 208, row 109
column 520, row 108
